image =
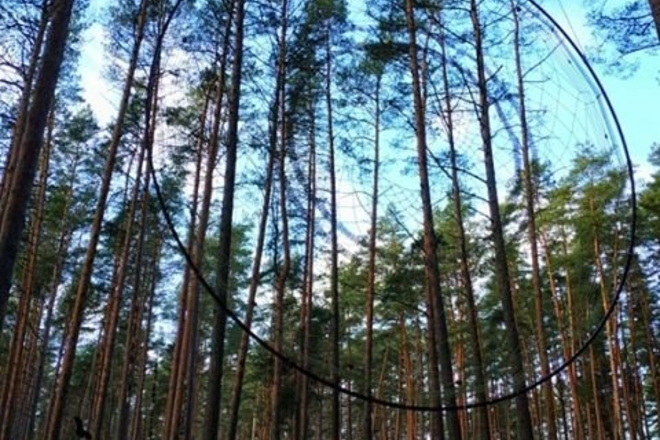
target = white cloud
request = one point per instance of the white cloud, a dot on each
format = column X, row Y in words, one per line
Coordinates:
column 96, row 90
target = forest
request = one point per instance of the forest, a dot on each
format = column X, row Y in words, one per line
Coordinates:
column 325, row 219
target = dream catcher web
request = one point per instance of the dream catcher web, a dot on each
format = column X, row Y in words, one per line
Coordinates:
column 570, row 119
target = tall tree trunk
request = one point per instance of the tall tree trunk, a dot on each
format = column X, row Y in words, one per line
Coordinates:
column 524, row 420
column 61, row 253
column 193, row 287
column 629, row 397
column 23, row 106
column 94, row 372
column 113, row 308
column 20, row 187
column 14, row 388
column 371, row 270
column 152, row 421
column 224, row 251
column 651, row 347
column 55, row 418
column 437, row 321
column 334, row 248
column 481, row 391
column 610, row 334
column 22, row 420
column 530, row 197
column 252, row 292
column 282, row 276
column 135, row 315
column 600, row 429
column 277, row 132
column 136, row 421
column 187, row 345
column 456, row 317
column 308, row 285
column 576, row 407
column 177, row 373
column 198, row 249
column 409, row 380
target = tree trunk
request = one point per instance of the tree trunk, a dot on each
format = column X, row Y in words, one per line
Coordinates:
column 302, row 429
column 23, row 106
column 282, row 275
column 481, row 391
column 651, row 344
column 600, row 430
column 252, row 291
column 212, row 420
column 629, row 398
column 371, row 271
column 530, row 197
column 437, row 321
column 22, row 419
column 277, row 130
column 524, row 420
column 224, row 251
column 409, row 381
column 20, row 187
column 576, row 420
column 113, row 309
column 334, row 249
column 136, row 420
column 177, row 373
column 134, row 317
column 62, row 249
column 14, row 387
column 610, row 334
column 76, row 316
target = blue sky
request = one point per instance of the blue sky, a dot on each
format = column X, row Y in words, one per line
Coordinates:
column 634, row 98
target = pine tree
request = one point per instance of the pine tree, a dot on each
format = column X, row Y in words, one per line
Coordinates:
column 18, row 190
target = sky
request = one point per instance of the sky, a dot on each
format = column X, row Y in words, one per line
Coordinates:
column 635, row 99
column 632, row 99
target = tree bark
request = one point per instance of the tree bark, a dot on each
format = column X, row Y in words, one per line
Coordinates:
column 226, row 215
column 480, row 372
column 215, row 377
column 24, row 103
column 177, row 371
column 20, row 187
column 282, row 275
column 252, row 293
column 76, row 316
column 302, row 425
column 334, row 249
column 111, row 318
column 134, row 317
column 371, row 271
column 438, row 320
column 524, row 420
column 530, row 197
column 409, row 380
column 576, row 407
column 62, row 250
column 137, row 419
column 14, row 387
column 610, row 334
column 277, row 132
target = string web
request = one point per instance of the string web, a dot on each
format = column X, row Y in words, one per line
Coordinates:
column 569, row 119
